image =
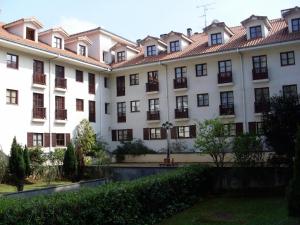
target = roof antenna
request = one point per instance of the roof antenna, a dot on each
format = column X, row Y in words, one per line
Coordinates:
column 205, row 8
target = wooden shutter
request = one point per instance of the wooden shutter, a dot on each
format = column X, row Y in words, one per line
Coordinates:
column 252, row 128
column 29, row 139
column 174, row 133
column 146, row 134
column 68, row 138
column 163, row 132
column 46, row 140
column 238, row 129
column 129, row 135
column 114, row 135
column 193, row 131
column 53, row 139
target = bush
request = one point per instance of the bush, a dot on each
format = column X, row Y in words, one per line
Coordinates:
column 140, row 202
column 70, row 163
column 26, row 161
column 3, row 165
column 136, row 147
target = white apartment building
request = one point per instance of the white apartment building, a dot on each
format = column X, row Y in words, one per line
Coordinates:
column 51, row 80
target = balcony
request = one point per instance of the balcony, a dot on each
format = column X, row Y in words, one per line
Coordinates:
column 226, row 110
column 121, row 91
column 61, row 114
column 121, row 117
column 260, row 73
column 153, row 116
column 152, row 87
column 225, row 77
column 92, row 89
column 60, row 83
column 182, row 113
column 180, row 83
column 39, row 80
column 261, row 107
column 38, row 114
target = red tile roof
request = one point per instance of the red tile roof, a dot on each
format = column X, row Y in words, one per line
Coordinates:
column 278, row 33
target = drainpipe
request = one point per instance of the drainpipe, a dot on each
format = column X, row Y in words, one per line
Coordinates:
column 167, row 89
column 243, row 90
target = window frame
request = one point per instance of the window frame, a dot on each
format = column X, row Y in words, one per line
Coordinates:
column 121, row 56
column 122, row 135
column 156, row 133
column 203, row 71
column 59, row 140
column 203, row 100
column 134, row 79
column 179, row 132
column 106, row 108
column 254, row 32
column 230, row 129
column 82, row 50
column 79, row 76
column 182, row 102
column 57, row 42
column 30, row 31
column 10, row 97
column 37, row 139
column 262, row 94
column 227, row 68
column 79, row 105
column 135, row 106
column 174, row 46
column 262, row 59
column 153, row 105
column 227, row 97
column 92, row 111
column 151, row 50
column 180, row 72
column 10, row 63
column 288, row 63
column 289, row 86
column 297, row 25
column 216, row 38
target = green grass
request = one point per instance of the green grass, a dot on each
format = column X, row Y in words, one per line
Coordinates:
column 235, row 211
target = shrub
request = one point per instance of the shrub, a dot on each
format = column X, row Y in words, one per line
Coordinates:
column 140, row 202
column 70, row 163
column 26, row 161
column 136, row 147
column 3, row 165
column 37, row 159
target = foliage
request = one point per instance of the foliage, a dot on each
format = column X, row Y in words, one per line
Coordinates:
column 101, row 155
column 178, row 146
column 3, row 165
column 280, row 125
column 17, row 165
column 294, row 187
column 70, row 164
column 57, row 156
column 37, row 159
column 143, row 201
column 136, row 147
column 247, row 150
column 85, row 137
column 211, row 139
column 26, row 162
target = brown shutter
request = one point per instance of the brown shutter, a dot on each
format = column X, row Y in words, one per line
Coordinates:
column 193, row 131
column 146, row 133
column 53, row 139
column 163, row 132
column 252, row 128
column 114, row 135
column 129, row 135
column 68, row 138
column 29, row 139
column 238, row 129
column 174, row 133
column 46, row 140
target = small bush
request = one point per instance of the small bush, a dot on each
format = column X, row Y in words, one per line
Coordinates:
column 140, row 202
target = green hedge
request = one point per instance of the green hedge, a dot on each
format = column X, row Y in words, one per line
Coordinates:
column 143, row 201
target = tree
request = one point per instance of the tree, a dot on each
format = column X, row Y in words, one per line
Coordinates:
column 69, row 163
column 17, row 165
column 294, row 187
column 85, row 137
column 26, row 161
column 212, row 139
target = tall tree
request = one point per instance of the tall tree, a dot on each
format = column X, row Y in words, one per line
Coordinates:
column 26, row 161
column 69, row 163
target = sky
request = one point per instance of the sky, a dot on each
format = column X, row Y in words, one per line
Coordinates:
column 135, row 19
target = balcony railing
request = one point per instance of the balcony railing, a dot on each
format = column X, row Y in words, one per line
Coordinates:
column 121, row 117
column 224, row 77
column 153, row 115
column 61, row 83
column 60, row 114
column 153, row 86
column 120, row 91
column 180, row 82
column 227, row 109
column 262, row 106
column 39, row 79
column 91, row 89
column 260, row 73
column 181, row 113
column 39, row 113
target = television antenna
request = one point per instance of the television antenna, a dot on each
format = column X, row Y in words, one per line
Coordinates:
column 205, row 8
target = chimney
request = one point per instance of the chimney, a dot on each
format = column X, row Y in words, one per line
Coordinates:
column 138, row 41
column 162, row 36
column 189, row 32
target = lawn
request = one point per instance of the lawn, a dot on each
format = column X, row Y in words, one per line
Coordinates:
column 235, row 211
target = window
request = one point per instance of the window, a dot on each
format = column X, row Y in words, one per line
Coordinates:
column 106, row 109
column 256, row 128
column 226, row 98
column 290, row 90
column 183, row 132
column 92, row 111
column 153, row 76
column 37, row 139
column 38, row 67
column 134, row 79
column 121, row 112
column 105, row 82
column 11, row 97
column 230, row 129
column 79, row 105
column 82, row 50
column 202, row 100
column 91, row 83
column 12, row 61
column 57, row 42
column 154, row 105
column 60, row 139
column 259, row 62
column 121, row 86
column 122, row 135
column 182, row 102
column 216, row 39
column 287, row 58
column 121, row 56
column 79, row 76
column 60, row 112
column 180, row 72
column 151, row 50
column 296, row 25
column 201, row 70
column 225, row 66
column 30, row 33
column 135, row 106
column 255, row 32
column 174, row 46
column 261, row 95
column 38, row 100
column 155, row 133
column 59, row 71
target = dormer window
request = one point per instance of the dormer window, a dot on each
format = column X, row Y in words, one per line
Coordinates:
column 151, row 50
column 255, row 32
column 121, row 56
column 30, row 33
column 57, row 42
column 174, row 46
column 216, row 39
column 296, row 25
column 82, row 50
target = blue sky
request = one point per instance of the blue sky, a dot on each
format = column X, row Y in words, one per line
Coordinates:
column 135, row 19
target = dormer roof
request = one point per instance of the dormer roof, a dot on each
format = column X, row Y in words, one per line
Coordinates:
column 83, row 39
column 287, row 12
column 148, row 38
column 121, row 45
column 255, row 18
column 32, row 20
column 59, row 30
column 218, row 25
column 173, row 33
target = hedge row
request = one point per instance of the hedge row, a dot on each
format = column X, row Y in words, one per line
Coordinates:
column 140, row 202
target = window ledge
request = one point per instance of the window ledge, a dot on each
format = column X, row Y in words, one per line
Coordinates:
column 225, row 84
column 153, row 121
column 180, row 89
column 60, row 121
column 41, row 86
column 36, row 120
column 261, row 81
column 226, row 116
column 182, row 119
column 152, row 92
column 60, row 89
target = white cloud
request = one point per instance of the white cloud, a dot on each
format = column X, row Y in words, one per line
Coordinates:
column 73, row 25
